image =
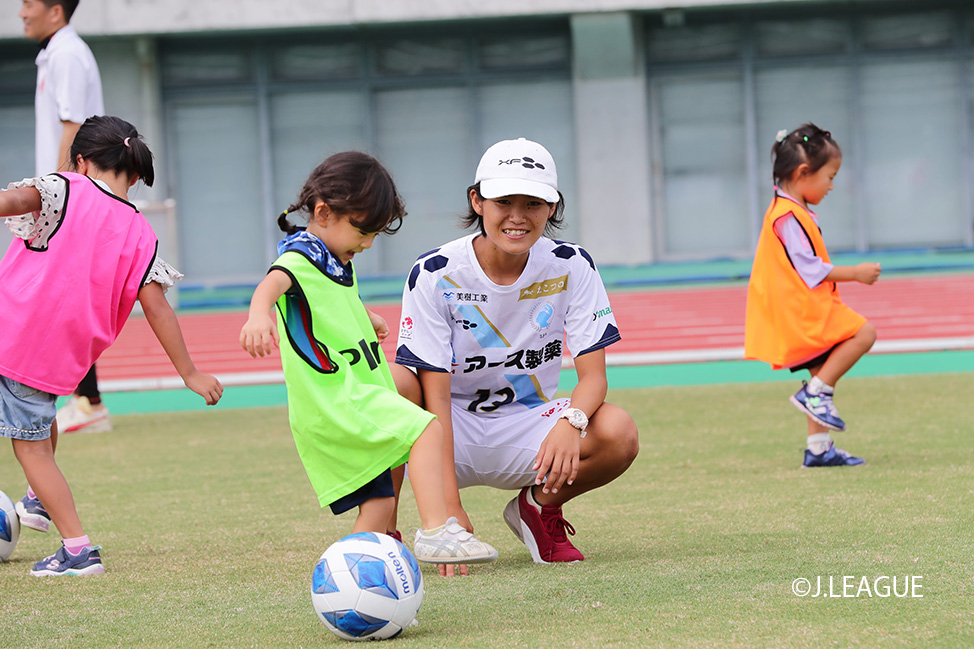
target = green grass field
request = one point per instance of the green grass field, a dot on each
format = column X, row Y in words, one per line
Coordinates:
column 210, row 531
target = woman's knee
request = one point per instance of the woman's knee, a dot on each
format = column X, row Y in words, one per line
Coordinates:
column 615, row 432
column 629, row 437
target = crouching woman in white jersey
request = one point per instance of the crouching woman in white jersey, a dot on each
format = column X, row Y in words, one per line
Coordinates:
column 483, row 322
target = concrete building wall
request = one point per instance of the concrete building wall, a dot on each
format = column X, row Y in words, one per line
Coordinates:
column 611, row 137
column 660, row 119
column 128, row 17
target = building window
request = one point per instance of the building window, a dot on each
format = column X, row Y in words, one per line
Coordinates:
column 888, row 84
column 425, row 104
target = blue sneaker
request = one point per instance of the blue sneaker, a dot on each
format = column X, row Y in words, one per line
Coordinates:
column 819, row 407
column 32, row 514
column 87, row 562
column 832, row 457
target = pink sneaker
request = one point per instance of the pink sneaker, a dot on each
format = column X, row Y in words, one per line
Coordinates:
column 544, row 534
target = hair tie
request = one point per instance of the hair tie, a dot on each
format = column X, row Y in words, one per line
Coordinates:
column 782, row 134
column 125, row 141
column 805, row 138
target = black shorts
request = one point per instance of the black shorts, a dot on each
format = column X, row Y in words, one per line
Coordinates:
column 378, row 487
column 815, row 362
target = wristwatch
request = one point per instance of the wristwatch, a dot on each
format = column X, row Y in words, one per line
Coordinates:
column 576, row 418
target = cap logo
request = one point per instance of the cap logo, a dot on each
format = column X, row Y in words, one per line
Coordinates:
column 527, row 163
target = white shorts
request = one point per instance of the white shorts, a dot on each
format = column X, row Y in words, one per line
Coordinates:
column 500, row 451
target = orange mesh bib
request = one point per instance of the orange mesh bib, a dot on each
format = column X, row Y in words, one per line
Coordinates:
column 788, row 323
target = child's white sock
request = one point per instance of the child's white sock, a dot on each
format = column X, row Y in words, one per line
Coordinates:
column 819, row 443
column 816, row 386
column 531, row 500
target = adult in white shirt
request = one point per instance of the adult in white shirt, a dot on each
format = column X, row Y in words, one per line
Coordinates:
column 68, row 82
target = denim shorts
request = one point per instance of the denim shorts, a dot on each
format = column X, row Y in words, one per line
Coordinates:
column 25, row 413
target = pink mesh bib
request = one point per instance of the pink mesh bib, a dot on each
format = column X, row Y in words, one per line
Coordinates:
column 61, row 307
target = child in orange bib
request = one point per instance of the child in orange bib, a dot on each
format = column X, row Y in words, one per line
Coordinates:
column 795, row 317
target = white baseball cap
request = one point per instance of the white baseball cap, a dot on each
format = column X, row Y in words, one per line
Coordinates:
column 518, row 167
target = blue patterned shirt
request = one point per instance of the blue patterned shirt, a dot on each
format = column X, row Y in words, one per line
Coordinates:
column 315, row 249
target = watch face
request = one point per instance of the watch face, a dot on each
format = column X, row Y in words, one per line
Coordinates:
column 576, row 418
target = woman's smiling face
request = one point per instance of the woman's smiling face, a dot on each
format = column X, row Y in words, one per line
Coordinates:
column 513, row 223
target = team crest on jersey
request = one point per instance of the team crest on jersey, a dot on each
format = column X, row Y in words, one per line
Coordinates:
column 544, row 288
column 406, row 328
column 541, row 316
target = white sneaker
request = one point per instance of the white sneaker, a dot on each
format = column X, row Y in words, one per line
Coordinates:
column 79, row 416
column 450, row 543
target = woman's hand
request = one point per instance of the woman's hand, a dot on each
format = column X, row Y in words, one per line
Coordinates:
column 558, row 457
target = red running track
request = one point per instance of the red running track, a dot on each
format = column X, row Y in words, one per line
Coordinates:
column 659, row 320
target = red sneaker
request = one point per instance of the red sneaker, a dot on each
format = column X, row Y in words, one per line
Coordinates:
column 396, row 534
column 544, row 534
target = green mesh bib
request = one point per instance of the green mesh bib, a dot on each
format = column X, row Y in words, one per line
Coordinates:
column 348, row 421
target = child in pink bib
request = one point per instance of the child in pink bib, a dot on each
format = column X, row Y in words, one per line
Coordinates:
column 82, row 257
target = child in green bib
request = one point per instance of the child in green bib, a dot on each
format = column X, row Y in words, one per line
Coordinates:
column 350, row 426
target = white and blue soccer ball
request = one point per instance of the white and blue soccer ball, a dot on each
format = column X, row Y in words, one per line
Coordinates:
column 9, row 527
column 367, row 586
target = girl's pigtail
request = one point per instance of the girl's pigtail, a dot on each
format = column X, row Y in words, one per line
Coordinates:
column 807, row 144
column 285, row 225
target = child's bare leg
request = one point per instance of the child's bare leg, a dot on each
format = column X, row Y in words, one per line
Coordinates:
column 819, row 437
column 398, row 475
column 53, row 439
column 407, row 385
column 373, row 515
column 426, row 476
column 846, row 354
column 50, row 485
column 815, row 428
column 439, row 542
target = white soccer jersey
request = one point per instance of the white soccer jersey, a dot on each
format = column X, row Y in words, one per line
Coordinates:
column 502, row 344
